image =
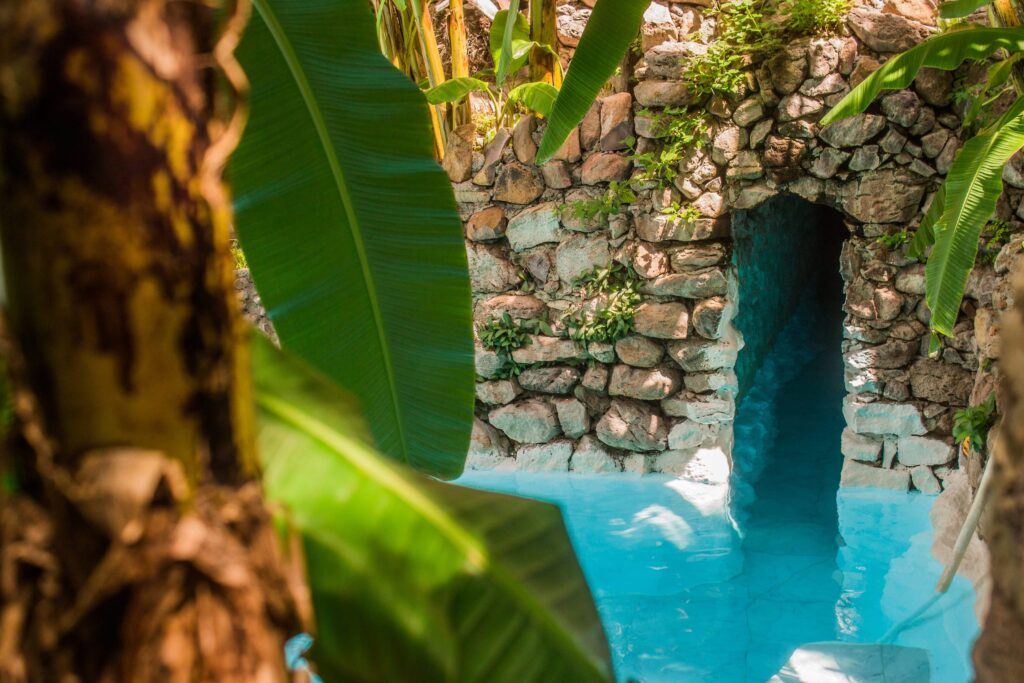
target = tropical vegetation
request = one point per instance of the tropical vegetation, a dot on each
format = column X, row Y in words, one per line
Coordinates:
column 950, row 231
column 400, row 575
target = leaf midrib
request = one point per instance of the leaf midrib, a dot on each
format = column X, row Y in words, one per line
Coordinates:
column 478, row 559
column 312, row 106
column 974, row 181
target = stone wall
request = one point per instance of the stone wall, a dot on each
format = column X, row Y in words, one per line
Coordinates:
column 651, row 400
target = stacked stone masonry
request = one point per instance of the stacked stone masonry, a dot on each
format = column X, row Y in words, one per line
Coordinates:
column 648, row 402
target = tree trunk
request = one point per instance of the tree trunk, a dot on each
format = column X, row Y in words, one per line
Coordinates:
column 138, row 547
column 543, row 30
column 998, row 655
column 462, row 113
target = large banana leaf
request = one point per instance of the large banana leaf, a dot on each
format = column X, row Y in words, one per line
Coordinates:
column 351, row 229
column 611, row 29
column 972, row 188
column 503, row 56
column 413, row 579
column 956, row 9
column 518, row 42
column 945, row 51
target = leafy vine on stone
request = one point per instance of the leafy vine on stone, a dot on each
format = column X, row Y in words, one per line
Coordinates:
column 608, row 299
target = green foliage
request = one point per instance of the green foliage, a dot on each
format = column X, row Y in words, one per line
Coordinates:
column 683, row 214
column 511, row 46
column 972, row 187
column 610, row 203
column 744, row 34
column 967, row 198
column 660, row 165
column 957, row 9
column 814, row 16
column 894, row 240
column 944, row 51
column 333, row 263
column 606, row 279
column 679, row 130
column 997, row 234
column 974, row 422
column 504, row 334
column 413, row 579
column 612, row 27
column 610, row 318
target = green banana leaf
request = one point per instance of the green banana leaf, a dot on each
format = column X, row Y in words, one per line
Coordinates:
column 957, row 9
column 538, row 97
column 507, row 29
column 413, row 579
column 455, row 89
column 351, row 229
column 972, row 188
column 610, row 30
column 995, row 82
column 518, row 41
column 924, row 237
column 945, row 51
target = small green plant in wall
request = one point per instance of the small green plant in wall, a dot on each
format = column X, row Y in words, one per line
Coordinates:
column 504, row 334
column 971, row 424
column 750, row 30
column 895, row 240
column 814, row 16
column 615, row 198
column 682, row 214
column 612, row 318
column 995, row 235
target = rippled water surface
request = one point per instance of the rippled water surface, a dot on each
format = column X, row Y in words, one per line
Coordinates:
column 702, row 582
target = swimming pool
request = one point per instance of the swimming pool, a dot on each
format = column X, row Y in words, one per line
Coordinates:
column 721, row 580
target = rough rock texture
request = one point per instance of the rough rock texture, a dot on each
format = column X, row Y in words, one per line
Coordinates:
column 528, row 247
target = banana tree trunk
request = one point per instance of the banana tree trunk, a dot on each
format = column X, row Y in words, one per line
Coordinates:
column 543, row 30
column 998, row 655
column 462, row 113
column 137, row 546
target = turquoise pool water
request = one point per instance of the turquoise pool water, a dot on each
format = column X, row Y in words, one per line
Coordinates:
column 713, row 582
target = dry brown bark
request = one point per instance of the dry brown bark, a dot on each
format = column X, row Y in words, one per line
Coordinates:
column 998, row 655
column 139, row 547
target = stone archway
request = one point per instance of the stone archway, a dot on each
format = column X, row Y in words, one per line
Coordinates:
column 648, row 402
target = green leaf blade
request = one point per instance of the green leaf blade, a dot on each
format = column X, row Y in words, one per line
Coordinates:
column 538, row 97
column 972, row 189
column 414, row 579
column 509, row 41
column 610, row 30
column 353, row 236
column 945, row 51
column 957, row 9
column 455, row 89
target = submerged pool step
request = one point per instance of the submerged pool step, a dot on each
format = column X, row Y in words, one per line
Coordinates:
column 835, row 662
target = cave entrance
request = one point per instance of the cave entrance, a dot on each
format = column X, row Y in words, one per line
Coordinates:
column 787, row 458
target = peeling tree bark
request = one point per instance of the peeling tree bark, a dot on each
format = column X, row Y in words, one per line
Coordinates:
column 998, row 655
column 139, row 548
